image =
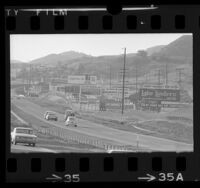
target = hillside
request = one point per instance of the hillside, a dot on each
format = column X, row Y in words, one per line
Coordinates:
column 18, row 64
column 65, row 57
column 177, row 54
column 154, row 49
column 182, row 47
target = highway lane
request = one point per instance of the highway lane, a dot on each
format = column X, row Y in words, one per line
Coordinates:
column 100, row 131
column 28, row 149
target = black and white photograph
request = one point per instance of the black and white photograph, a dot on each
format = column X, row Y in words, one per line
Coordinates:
column 101, row 93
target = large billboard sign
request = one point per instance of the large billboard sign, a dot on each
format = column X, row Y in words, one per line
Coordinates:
column 76, row 79
column 90, row 79
column 90, row 90
column 172, row 95
column 150, row 103
column 160, row 104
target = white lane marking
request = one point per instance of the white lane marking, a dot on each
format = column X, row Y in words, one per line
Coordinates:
column 31, row 149
column 136, row 127
column 19, row 118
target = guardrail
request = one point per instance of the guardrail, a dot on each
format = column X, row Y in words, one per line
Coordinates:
column 64, row 135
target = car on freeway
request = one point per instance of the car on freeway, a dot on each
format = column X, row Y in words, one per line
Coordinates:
column 20, row 96
column 71, row 121
column 33, row 95
column 48, row 115
column 118, row 151
column 23, row 135
column 68, row 112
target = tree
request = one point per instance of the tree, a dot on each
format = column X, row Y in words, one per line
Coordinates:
column 81, row 68
column 134, row 98
column 142, row 53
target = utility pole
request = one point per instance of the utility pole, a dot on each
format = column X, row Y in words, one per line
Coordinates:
column 110, row 76
column 166, row 74
column 180, row 76
column 159, row 75
column 146, row 76
column 29, row 82
column 124, row 68
column 136, row 78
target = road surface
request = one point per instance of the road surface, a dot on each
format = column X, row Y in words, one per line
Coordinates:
column 86, row 127
column 28, row 149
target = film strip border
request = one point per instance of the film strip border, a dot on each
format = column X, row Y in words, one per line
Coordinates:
column 107, row 22
column 99, row 167
column 67, row 21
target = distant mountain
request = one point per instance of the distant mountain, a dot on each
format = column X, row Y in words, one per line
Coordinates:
column 17, row 61
column 182, row 47
column 18, row 64
column 59, row 58
column 178, row 52
column 154, row 49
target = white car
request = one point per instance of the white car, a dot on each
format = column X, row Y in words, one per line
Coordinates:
column 71, row 121
column 118, row 151
column 20, row 96
column 50, row 116
column 23, row 135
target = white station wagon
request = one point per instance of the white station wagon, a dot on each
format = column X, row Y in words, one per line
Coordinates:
column 23, row 135
column 71, row 121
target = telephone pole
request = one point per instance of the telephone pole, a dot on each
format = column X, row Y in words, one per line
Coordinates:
column 110, row 76
column 124, row 68
column 146, row 76
column 180, row 75
column 159, row 76
column 29, row 80
column 166, row 74
column 136, row 78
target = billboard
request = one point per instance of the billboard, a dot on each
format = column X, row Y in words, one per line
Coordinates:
column 150, row 103
column 172, row 95
column 90, row 90
column 76, row 79
column 160, row 104
column 90, row 79
column 82, row 79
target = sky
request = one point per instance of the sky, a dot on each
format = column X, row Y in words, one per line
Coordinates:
column 27, row 47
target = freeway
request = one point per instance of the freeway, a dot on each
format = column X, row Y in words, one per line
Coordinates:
column 28, row 149
column 86, row 127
